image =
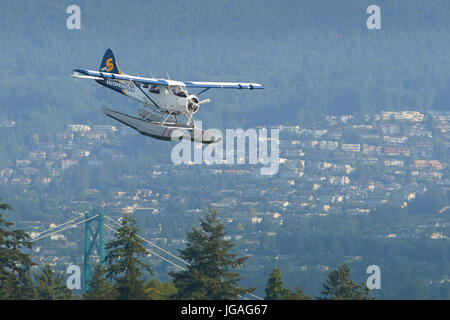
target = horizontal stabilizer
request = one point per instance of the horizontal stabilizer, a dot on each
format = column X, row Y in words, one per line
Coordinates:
column 81, row 76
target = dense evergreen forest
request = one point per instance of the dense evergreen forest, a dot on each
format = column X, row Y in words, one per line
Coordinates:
column 314, row 57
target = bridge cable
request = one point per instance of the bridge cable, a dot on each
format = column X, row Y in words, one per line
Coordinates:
column 54, row 228
column 57, row 231
column 152, row 244
column 187, row 263
column 40, row 236
column 157, row 255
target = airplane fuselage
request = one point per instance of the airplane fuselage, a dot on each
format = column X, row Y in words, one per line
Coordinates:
column 173, row 98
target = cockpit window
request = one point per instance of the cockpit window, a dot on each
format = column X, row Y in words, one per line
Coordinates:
column 179, row 91
column 154, row 89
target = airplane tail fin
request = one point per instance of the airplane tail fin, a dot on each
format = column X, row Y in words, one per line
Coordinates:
column 109, row 63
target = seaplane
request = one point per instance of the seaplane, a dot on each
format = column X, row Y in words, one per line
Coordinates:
column 168, row 106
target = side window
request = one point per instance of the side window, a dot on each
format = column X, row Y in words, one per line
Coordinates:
column 154, row 89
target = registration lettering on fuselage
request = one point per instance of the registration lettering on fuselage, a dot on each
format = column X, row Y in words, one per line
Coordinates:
column 124, row 86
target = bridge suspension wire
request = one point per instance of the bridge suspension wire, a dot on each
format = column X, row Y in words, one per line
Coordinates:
column 255, row 296
column 65, row 228
column 155, row 254
column 170, row 254
column 152, row 244
column 57, row 227
column 40, row 236
column 168, row 261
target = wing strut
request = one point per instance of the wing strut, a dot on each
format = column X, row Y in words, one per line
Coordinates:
column 139, row 87
column 203, row 91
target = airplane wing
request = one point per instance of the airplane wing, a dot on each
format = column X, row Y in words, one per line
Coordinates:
column 99, row 75
column 223, row 85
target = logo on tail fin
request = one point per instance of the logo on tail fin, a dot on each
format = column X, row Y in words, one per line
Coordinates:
column 109, row 63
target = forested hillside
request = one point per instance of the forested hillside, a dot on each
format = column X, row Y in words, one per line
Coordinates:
column 313, row 56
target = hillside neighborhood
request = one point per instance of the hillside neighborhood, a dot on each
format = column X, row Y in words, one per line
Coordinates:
column 344, row 165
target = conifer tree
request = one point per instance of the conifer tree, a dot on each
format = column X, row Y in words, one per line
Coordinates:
column 124, row 262
column 339, row 286
column 99, row 287
column 51, row 285
column 275, row 289
column 157, row 290
column 15, row 276
column 209, row 274
column 298, row 295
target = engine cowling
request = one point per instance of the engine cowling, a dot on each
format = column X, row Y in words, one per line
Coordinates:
column 193, row 104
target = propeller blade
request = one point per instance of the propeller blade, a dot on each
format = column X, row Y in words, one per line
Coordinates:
column 204, row 101
column 190, row 118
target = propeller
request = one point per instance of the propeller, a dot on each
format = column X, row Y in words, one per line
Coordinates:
column 193, row 106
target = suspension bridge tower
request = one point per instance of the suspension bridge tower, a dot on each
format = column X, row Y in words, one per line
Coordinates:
column 94, row 244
